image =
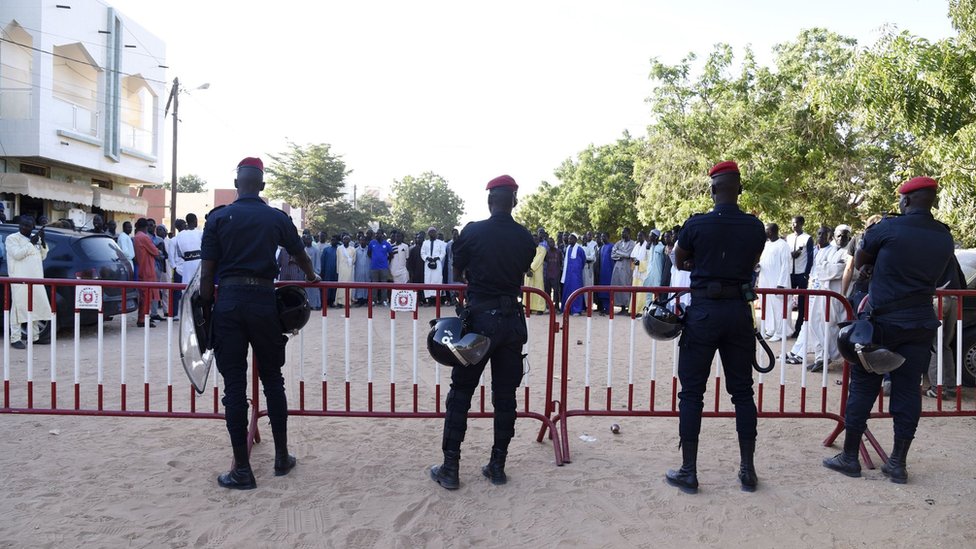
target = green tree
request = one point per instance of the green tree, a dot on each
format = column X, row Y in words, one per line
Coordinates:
column 189, row 183
column 597, row 192
column 306, row 176
column 337, row 217
column 420, row 202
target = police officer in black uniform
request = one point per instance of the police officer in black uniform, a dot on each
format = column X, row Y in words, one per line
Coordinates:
column 238, row 248
column 492, row 256
column 910, row 253
column 720, row 248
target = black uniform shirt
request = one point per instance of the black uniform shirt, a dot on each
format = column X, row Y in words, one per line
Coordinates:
column 912, row 252
column 724, row 244
column 244, row 236
column 496, row 253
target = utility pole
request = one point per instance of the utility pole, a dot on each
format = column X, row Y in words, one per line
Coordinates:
column 174, row 98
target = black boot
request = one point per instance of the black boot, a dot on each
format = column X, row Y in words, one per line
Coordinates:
column 847, row 462
column 240, row 477
column 747, row 469
column 894, row 468
column 495, row 470
column 686, row 478
column 284, row 462
column 446, row 474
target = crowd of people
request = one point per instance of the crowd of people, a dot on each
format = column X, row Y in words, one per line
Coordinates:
column 372, row 256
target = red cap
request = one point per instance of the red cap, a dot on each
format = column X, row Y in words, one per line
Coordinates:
column 723, row 167
column 251, row 162
column 502, row 181
column 917, row 183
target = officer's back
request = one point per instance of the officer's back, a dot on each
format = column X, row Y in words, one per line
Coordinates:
column 245, row 235
column 496, row 252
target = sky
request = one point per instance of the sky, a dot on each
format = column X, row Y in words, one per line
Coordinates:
column 467, row 90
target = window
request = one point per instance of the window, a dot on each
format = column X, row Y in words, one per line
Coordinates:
column 138, row 109
column 16, row 73
column 75, row 89
column 33, row 170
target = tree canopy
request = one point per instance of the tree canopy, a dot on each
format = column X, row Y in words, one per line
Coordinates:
column 306, row 176
column 189, row 183
column 827, row 131
column 417, row 203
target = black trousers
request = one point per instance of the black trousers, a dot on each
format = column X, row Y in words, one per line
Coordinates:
column 242, row 316
column 905, row 402
column 508, row 333
column 799, row 282
column 724, row 326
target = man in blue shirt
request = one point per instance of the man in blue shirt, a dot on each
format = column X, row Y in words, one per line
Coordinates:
column 379, row 253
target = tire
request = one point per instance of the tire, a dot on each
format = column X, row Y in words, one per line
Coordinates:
column 43, row 328
column 969, row 357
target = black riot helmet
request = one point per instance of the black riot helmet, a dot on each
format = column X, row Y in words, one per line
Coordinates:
column 659, row 322
column 855, row 341
column 293, row 308
column 450, row 346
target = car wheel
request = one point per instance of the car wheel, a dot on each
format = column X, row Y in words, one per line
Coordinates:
column 969, row 357
column 43, row 327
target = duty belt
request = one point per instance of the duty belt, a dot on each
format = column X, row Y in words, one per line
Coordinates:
column 505, row 304
column 723, row 292
column 246, row 281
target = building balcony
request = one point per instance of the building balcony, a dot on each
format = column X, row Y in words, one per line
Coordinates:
column 75, row 118
column 136, row 139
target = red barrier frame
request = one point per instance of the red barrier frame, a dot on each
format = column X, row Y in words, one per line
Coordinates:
column 565, row 413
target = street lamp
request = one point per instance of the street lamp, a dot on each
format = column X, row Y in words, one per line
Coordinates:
column 174, row 99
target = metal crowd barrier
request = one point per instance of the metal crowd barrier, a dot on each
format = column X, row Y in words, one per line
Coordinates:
column 336, row 366
column 346, row 363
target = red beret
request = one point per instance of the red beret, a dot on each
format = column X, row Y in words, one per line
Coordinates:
column 251, row 162
column 502, row 181
column 917, row 183
column 723, row 167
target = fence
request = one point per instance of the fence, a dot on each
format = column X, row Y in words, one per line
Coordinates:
column 636, row 368
column 370, row 361
column 339, row 365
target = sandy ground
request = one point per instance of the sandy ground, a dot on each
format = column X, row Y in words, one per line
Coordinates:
column 137, row 482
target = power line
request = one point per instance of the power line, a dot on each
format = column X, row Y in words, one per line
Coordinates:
column 83, row 62
column 94, row 44
column 29, row 85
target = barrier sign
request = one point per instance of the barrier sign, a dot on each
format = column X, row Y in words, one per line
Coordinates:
column 88, row 297
column 403, row 301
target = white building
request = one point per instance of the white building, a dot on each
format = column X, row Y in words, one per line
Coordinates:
column 82, row 92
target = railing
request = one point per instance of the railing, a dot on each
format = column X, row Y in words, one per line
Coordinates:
column 137, row 138
column 339, row 365
column 371, row 361
column 75, row 117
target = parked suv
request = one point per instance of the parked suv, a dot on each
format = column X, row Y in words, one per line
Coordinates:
column 78, row 255
column 967, row 260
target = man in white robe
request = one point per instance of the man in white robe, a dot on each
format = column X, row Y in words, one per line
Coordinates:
column 774, row 272
column 590, row 247
column 25, row 257
column 346, row 267
column 433, row 252
column 829, row 264
column 398, row 265
column 808, row 339
column 125, row 242
column 640, row 254
column 655, row 261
